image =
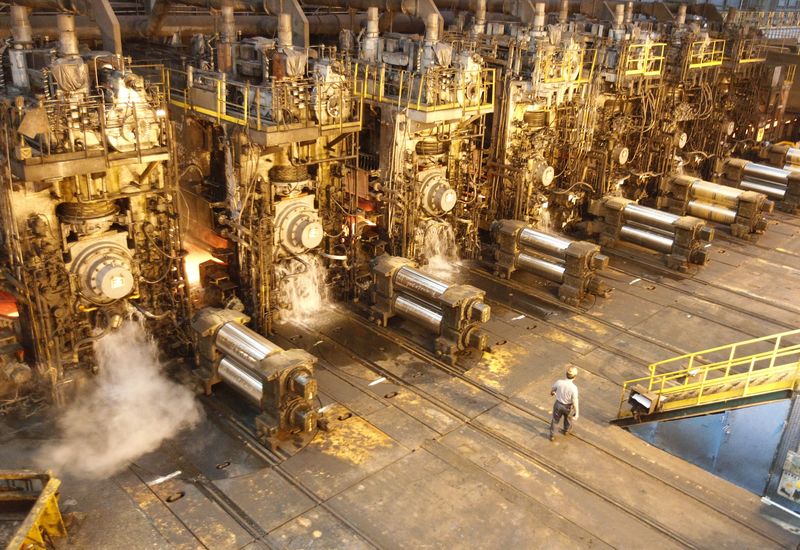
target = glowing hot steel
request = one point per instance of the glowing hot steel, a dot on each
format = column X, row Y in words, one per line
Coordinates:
column 194, row 257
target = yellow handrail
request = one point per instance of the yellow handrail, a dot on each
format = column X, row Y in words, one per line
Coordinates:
column 691, row 379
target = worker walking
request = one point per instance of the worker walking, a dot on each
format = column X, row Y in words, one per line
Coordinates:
column 566, row 404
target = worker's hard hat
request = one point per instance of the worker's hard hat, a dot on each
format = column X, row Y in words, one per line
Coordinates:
column 572, row 372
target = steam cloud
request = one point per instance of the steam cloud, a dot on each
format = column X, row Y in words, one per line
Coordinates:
column 131, row 410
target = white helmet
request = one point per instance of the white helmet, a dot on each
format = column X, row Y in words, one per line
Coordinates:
column 572, row 372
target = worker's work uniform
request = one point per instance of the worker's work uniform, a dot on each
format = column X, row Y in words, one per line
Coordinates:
column 566, row 393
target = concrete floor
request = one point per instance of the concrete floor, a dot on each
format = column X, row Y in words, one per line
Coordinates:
column 419, row 457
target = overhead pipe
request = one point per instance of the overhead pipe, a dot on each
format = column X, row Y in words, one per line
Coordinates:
column 136, row 26
column 100, row 11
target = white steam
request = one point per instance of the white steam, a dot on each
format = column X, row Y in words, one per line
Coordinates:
column 130, row 411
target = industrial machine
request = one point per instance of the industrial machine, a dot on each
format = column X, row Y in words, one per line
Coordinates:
column 279, row 383
column 88, row 214
column 573, row 265
column 782, row 186
column 743, row 211
column 453, row 312
column 683, row 240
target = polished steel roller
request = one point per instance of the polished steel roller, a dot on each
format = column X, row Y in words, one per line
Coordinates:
column 646, row 239
column 710, row 211
column 414, row 311
column 551, row 271
column 763, row 173
column 650, row 216
column 713, row 192
column 242, row 380
column 243, row 345
column 544, row 242
column 424, row 285
column 773, row 191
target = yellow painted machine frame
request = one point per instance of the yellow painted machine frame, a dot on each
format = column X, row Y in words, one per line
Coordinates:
column 44, row 518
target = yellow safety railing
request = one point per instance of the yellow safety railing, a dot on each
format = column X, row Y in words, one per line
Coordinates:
column 436, row 89
column 790, row 74
column 706, row 53
column 752, row 50
column 748, row 368
column 643, row 59
column 277, row 106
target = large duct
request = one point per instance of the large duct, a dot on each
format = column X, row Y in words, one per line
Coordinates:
column 135, row 26
column 23, row 37
column 67, row 38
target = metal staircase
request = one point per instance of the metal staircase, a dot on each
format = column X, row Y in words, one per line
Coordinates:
column 713, row 380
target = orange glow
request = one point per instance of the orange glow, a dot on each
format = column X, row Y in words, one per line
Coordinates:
column 8, row 306
column 194, row 257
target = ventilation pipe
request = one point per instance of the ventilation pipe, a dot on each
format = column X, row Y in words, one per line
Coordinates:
column 563, row 14
column 227, row 39
column 629, row 13
column 369, row 47
column 23, row 38
column 680, row 19
column 67, row 38
column 479, row 26
column 538, row 16
column 619, row 16
column 284, row 30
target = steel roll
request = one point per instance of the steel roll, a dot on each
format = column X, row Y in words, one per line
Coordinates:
column 773, row 191
column 762, row 172
column 550, row 271
column 710, row 211
column 241, row 380
column 544, row 242
column 793, row 158
column 414, row 311
column 646, row 239
column 713, row 192
column 243, row 345
column 419, row 283
column 650, row 216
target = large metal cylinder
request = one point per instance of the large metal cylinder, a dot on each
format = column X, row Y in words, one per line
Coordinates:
column 419, row 283
column 544, row 242
column 646, row 239
column 650, row 216
column 67, row 39
column 680, row 19
column 713, row 192
column 538, row 16
column 762, row 172
column 619, row 16
column 242, row 380
column 773, row 191
column 550, row 271
column 285, row 30
column 243, row 345
column 792, row 158
column 411, row 309
column 710, row 211
column 20, row 25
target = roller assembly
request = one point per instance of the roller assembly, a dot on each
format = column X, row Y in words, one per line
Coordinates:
column 573, row 265
column 453, row 312
column 742, row 210
column 682, row 239
column 280, row 383
column 782, row 186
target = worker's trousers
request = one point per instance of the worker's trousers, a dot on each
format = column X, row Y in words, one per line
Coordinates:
column 561, row 409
